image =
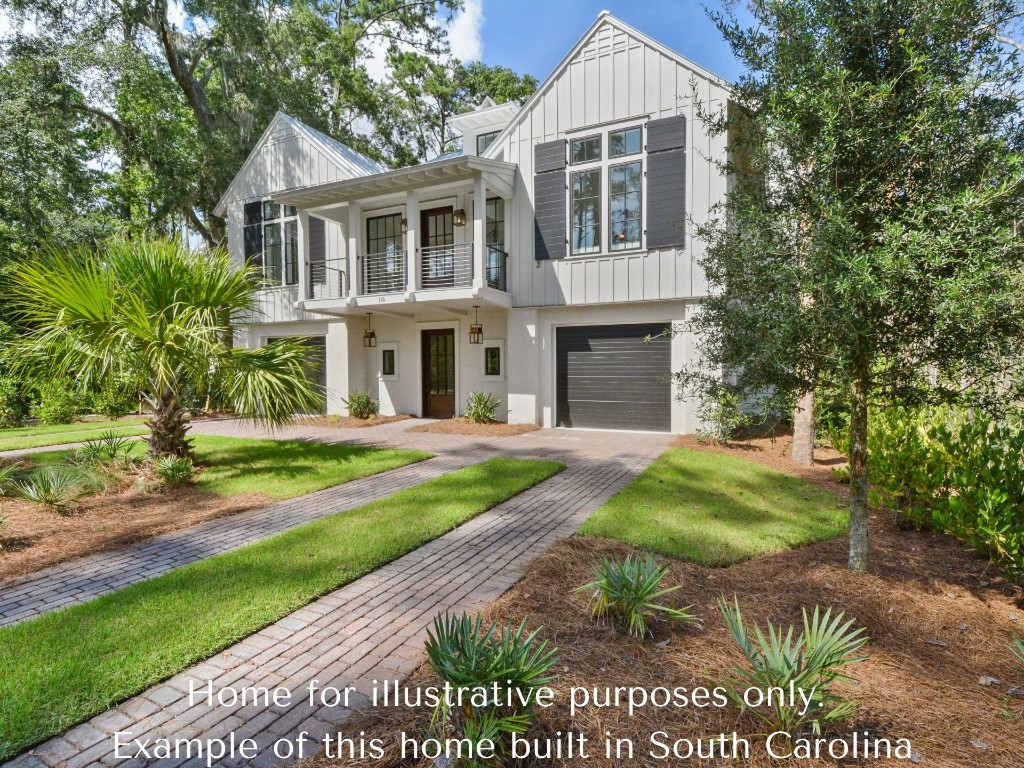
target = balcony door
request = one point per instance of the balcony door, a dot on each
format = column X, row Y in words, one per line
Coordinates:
column 438, row 373
column 384, row 261
column 437, row 236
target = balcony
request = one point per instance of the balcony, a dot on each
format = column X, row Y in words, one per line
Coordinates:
column 382, row 273
column 327, row 279
column 451, row 266
column 444, row 278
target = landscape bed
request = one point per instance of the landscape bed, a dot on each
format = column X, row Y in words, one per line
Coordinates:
column 63, row 667
column 236, row 474
column 938, row 620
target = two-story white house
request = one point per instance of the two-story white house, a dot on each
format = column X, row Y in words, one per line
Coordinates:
column 534, row 265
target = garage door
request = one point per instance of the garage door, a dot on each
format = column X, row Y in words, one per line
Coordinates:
column 609, row 377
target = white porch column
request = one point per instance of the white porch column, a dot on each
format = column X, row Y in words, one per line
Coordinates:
column 303, row 255
column 412, row 220
column 354, row 212
column 479, row 230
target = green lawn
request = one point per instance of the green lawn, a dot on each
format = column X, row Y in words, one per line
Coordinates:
column 282, row 469
column 60, row 434
column 717, row 510
column 64, row 667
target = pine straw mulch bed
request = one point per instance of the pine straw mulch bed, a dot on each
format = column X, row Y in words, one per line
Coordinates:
column 463, row 426
column 351, row 422
column 35, row 537
column 938, row 619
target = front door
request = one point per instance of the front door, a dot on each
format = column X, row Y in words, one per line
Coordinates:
column 438, row 373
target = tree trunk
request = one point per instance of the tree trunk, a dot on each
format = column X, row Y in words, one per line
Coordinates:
column 859, row 384
column 803, row 431
column 168, row 427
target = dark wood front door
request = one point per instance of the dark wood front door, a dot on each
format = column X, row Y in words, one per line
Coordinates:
column 438, row 373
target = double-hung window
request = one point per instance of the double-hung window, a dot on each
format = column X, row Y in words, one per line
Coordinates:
column 272, row 241
column 605, row 191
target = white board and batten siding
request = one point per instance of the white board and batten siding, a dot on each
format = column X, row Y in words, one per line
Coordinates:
column 615, row 76
column 288, row 156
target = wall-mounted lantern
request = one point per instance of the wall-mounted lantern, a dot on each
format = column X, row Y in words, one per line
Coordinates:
column 369, row 337
column 405, row 226
column 459, row 217
column 476, row 331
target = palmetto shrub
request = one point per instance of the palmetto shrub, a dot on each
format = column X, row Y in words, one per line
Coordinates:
column 812, row 660
column 1017, row 649
column 174, row 470
column 471, row 658
column 362, row 405
column 7, row 475
column 481, row 407
column 629, row 592
column 56, row 486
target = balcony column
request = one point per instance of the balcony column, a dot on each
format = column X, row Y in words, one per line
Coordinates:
column 479, row 230
column 412, row 220
column 352, row 249
column 303, row 255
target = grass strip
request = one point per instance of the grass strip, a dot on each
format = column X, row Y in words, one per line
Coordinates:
column 72, row 435
column 282, row 469
column 77, row 426
column 65, row 667
column 717, row 510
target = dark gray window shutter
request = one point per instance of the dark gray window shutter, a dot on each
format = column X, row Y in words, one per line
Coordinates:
column 317, row 240
column 253, row 233
column 666, row 182
column 549, row 200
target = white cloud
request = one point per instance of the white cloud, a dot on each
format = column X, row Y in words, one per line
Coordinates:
column 464, row 31
column 176, row 13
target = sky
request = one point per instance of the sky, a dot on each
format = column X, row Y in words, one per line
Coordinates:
column 533, row 36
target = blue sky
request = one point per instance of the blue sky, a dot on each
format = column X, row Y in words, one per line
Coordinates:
column 533, row 35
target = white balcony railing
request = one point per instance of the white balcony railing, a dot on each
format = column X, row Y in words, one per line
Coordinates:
column 382, row 272
column 327, row 279
column 446, row 266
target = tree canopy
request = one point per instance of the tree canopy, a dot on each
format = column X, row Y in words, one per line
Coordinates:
column 870, row 238
column 132, row 116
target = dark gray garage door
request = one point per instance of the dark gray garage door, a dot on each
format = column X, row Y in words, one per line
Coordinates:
column 609, row 377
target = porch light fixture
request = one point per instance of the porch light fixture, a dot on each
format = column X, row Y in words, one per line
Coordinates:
column 476, row 331
column 369, row 337
column 405, row 226
column 459, row 217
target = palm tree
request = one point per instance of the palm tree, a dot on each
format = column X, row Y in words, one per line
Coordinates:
column 154, row 312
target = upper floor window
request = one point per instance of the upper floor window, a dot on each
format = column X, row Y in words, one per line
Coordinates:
column 272, row 241
column 484, row 140
column 605, row 191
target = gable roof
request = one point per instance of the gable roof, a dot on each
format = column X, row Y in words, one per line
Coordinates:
column 349, row 161
column 604, row 17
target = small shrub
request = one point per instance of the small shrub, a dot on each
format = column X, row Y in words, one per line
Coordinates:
column 7, row 475
column 12, row 404
column 115, row 402
column 812, row 662
column 58, row 403
column 629, row 592
column 57, row 486
column 174, row 470
column 1017, row 649
column 489, row 663
column 362, row 405
column 481, row 407
column 725, row 417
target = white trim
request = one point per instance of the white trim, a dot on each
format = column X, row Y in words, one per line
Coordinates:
column 503, row 361
column 391, row 346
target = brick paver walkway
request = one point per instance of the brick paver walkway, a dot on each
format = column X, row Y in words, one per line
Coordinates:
column 373, row 628
column 89, row 577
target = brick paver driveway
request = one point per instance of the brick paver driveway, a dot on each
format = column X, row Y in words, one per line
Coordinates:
column 373, row 628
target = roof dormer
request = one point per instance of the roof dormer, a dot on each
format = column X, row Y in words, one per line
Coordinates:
column 481, row 126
